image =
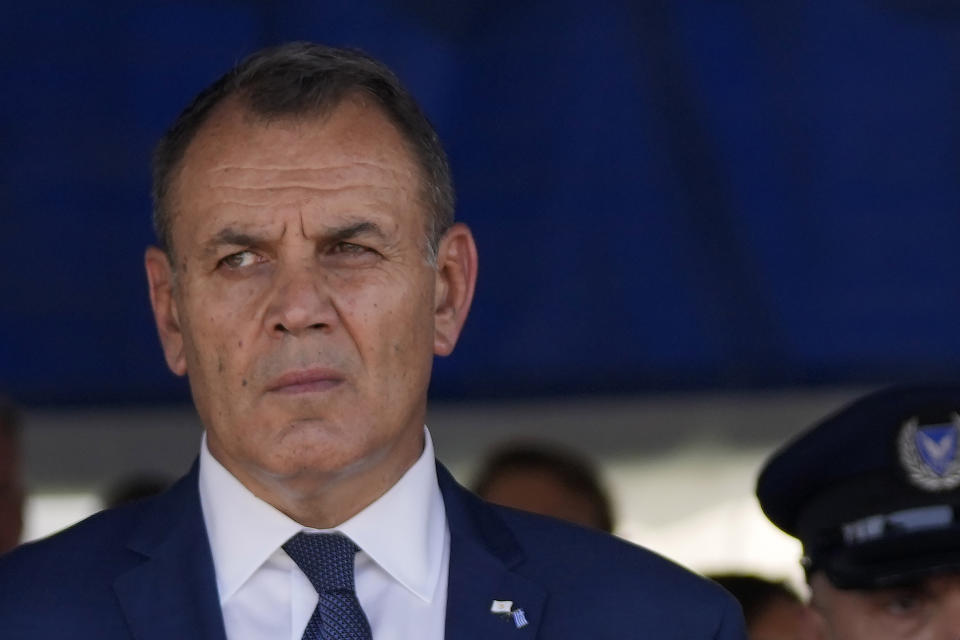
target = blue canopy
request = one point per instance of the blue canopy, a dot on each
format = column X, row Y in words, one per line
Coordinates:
column 701, row 194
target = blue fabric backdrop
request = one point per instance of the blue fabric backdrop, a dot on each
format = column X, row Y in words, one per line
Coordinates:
column 666, row 194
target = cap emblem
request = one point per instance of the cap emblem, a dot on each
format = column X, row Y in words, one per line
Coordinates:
column 928, row 453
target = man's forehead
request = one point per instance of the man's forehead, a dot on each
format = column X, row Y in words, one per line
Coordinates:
column 354, row 136
column 351, row 174
column 352, row 154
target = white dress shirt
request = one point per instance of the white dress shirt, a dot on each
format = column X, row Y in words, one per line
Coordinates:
column 401, row 569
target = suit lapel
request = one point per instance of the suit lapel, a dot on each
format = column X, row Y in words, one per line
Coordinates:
column 483, row 556
column 173, row 592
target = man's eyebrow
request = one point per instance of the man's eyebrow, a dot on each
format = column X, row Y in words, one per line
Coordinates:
column 230, row 237
column 236, row 238
column 338, row 234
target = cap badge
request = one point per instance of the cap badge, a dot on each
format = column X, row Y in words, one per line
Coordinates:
column 928, row 453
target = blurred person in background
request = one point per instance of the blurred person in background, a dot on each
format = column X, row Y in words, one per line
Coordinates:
column 546, row 479
column 134, row 488
column 772, row 610
column 309, row 272
column 873, row 492
column 12, row 495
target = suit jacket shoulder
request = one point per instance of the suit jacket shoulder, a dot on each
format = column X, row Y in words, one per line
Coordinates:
column 144, row 567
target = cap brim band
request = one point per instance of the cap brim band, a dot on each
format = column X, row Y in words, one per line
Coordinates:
column 889, row 563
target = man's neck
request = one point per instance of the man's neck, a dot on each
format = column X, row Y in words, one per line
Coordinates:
column 324, row 500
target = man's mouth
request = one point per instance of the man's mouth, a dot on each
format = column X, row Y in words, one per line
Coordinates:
column 305, row 381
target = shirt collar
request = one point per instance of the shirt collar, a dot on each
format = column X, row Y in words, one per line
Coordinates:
column 244, row 531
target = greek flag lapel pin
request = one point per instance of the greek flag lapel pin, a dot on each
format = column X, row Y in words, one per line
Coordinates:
column 519, row 618
column 505, row 608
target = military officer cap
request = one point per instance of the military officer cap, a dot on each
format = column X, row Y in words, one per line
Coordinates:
column 873, row 491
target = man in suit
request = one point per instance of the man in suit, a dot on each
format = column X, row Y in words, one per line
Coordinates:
column 873, row 493
column 309, row 269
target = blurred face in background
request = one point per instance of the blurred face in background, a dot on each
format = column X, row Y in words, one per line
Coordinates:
column 926, row 610
column 784, row 619
column 11, row 492
column 541, row 491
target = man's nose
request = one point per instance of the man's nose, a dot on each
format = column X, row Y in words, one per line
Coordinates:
column 300, row 301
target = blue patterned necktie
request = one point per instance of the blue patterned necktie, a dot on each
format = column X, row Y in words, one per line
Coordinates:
column 327, row 559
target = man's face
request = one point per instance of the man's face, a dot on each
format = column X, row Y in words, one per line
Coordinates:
column 927, row 610
column 302, row 305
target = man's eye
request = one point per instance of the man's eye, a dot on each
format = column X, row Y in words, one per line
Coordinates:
column 904, row 603
column 239, row 260
column 350, row 248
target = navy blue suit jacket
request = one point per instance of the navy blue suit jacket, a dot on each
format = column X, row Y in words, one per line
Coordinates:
column 145, row 571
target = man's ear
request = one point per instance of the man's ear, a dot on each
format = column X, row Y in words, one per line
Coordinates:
column 456, row 279
column 160, row 279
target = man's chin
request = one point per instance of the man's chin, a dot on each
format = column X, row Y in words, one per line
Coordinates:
column 313, row 448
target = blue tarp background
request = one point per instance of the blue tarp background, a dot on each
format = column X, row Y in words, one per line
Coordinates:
column 666, row 195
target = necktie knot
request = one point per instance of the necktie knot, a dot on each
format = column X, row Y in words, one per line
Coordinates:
column 325, row 558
